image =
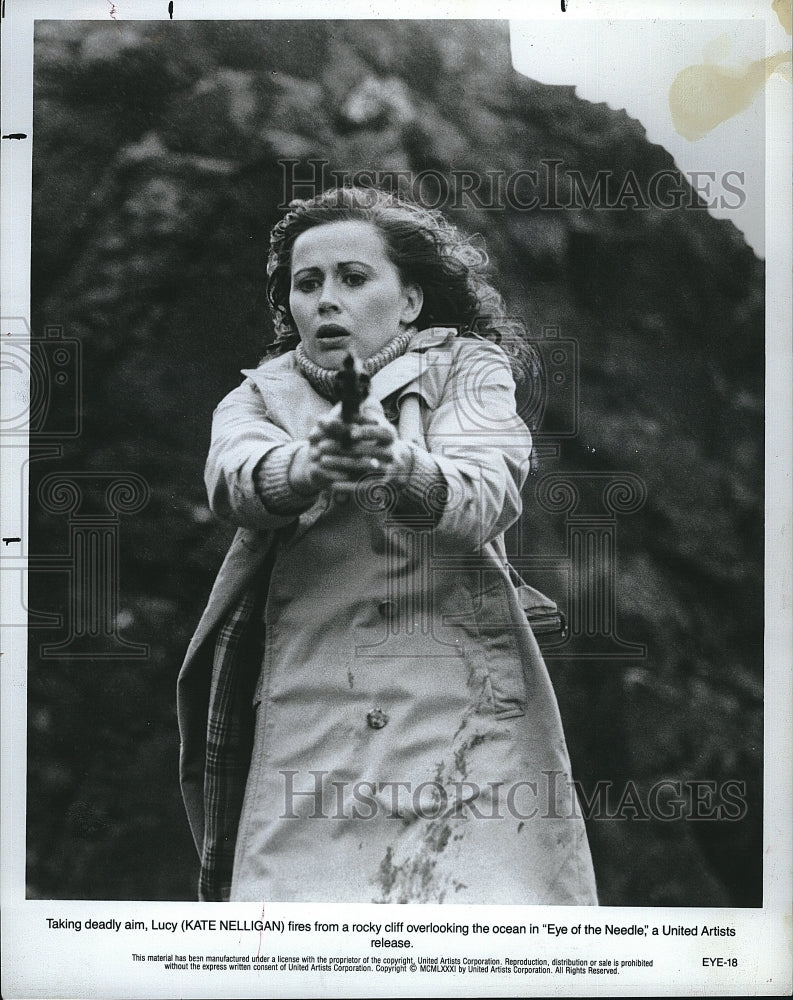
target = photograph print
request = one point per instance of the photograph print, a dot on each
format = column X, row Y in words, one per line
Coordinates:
column 396, row 477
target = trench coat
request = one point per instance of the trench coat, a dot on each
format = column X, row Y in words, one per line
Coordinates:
column 408, row 745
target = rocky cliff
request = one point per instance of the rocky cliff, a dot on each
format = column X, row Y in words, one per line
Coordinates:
column 159, row 154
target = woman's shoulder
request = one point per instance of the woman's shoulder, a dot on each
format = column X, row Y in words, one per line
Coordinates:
column 271, row 368
column 465, row 351
column 468, row 344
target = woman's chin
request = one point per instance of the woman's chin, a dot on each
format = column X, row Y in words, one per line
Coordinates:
column 329, row 353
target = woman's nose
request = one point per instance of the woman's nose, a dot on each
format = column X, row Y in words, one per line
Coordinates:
column 328, row 300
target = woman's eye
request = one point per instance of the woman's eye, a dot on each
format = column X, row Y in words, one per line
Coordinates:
column 307, row 285
column 354, row 279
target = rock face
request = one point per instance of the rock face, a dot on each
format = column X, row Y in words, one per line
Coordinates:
column 157, row 177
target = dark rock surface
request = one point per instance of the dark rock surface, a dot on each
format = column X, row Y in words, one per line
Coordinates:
column 156, row 182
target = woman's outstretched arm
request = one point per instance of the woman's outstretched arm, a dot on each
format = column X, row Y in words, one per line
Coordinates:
column 243, row 436
column 467, row 472
column 477, row 450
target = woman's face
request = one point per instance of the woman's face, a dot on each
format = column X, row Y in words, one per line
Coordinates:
column 345, row 294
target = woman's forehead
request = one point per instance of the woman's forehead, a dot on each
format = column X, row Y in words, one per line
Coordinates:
column 339, row 242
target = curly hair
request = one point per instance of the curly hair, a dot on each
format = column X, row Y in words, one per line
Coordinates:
column 426, row 249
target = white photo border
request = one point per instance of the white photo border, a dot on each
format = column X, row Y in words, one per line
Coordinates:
column 40, row 962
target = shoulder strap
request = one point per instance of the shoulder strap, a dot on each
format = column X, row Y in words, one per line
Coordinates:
column 543, row 614
column 501, row 549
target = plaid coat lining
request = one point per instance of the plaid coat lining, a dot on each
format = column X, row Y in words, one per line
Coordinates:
column 237, row 660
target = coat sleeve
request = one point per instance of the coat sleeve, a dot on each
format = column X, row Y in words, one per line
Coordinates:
column 242, row 435
column 478, row 448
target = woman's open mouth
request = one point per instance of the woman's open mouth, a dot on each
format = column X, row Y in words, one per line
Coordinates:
column 329, row 333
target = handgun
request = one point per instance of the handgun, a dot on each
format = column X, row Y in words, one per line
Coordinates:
column 352, row 388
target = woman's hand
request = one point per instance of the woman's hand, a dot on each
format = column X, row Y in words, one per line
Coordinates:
column 338, row 455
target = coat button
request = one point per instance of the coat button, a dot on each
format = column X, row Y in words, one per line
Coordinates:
column 376, row 719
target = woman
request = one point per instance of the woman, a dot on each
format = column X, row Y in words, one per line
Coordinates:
column 364, row 710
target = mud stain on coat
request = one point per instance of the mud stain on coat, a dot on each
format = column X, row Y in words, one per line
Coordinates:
column 415, row 881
